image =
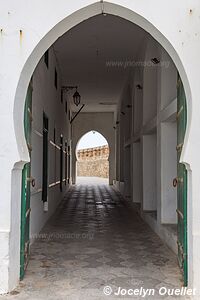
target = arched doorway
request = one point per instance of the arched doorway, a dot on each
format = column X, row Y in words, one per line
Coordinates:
column 50, row 38
column 149, row 117
column 149, row 137
column 92, row 154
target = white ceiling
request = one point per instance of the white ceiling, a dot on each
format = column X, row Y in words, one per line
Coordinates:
column 82, row 54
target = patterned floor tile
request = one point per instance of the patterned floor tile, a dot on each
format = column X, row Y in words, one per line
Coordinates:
column 97, row 239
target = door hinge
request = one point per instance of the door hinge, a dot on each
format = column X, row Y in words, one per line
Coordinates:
column 29, row 147
column 30, row 114
column 179, row 112
column 180, row 213
column 28, row 212
column 31, row 180
column 179, row 147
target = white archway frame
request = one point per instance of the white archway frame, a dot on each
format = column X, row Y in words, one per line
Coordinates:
column 62, row 27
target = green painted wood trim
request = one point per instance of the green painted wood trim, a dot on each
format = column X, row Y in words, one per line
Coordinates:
column 25, row 192
column 182, row 186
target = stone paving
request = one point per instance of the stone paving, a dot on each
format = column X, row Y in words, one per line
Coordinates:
column 85, row 180
column 95, row 239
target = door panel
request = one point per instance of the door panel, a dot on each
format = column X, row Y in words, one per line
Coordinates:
column 26, row 189
column 45, row 158
column 181, row 181
column 61, row 162
column 65, row 162
column 69, row 163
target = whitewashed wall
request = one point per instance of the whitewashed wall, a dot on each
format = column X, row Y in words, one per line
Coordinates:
column 147, row 172
column 46, row 98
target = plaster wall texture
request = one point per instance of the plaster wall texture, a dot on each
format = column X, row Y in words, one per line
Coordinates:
column 46, row 98
column 152, row 141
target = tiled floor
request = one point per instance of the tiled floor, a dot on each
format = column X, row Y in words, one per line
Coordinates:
column 95, row 240
column 91, row 180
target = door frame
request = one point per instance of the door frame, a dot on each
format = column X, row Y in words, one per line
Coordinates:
column 27, row 180
column 181, row 182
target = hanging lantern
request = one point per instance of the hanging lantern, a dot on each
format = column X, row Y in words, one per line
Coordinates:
column 76, row 98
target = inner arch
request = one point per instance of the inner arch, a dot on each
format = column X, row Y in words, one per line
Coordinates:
column 92, row 153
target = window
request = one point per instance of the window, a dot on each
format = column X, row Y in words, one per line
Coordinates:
column 61, row 162
column 54, row 135
column 46, row 58
column 68, row 163
column 61, row 96
column 66, row 107
column 56, row 79
column 66, row 158
column 45, row 158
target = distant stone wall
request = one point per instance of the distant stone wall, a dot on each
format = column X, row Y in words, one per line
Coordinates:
column 93, row 162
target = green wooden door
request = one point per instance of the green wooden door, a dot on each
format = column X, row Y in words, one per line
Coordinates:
column 181, row 180
column 26, row 189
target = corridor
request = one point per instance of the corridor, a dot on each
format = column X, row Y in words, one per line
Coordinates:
column 95, row 239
